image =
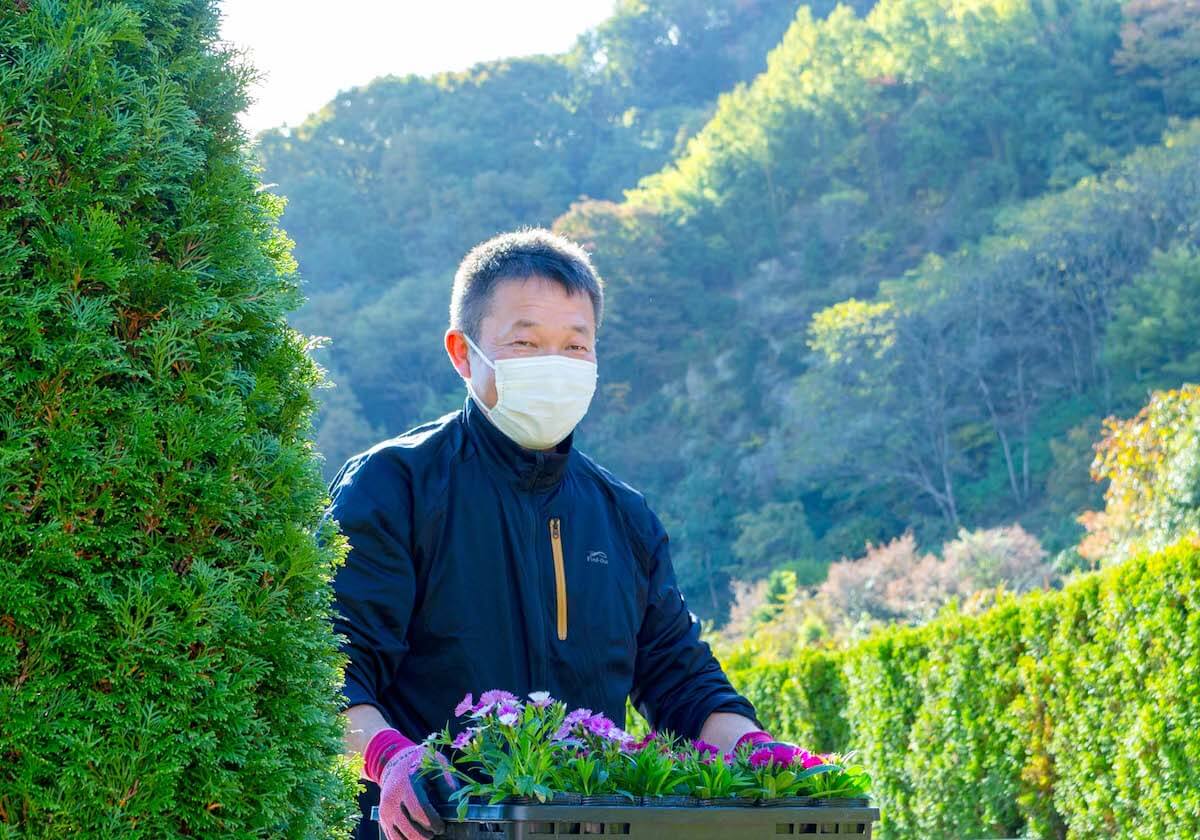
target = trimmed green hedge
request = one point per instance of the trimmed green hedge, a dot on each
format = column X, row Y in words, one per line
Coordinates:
column 1057, row 714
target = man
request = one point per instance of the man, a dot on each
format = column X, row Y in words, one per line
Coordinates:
column 488, row 552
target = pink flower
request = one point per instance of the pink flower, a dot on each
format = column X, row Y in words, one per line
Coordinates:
column 783, row 755
column 465, row 706
column 708, row 752
column 761, row 757
column 808, row 759
column 462, row 739
column 780, row 755
column 541, row 699
column 643, row 743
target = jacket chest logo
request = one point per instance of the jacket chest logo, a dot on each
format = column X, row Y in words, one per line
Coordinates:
column 597, row 557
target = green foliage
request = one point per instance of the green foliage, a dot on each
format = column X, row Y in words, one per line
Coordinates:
column 1153, row 332
column 1066, row 714
column 803, row 697
column 167, row 667
column 777, row 537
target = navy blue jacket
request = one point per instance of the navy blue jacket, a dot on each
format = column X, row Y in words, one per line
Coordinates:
column 478, row 564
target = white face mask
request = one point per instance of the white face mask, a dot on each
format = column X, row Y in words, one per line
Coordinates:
column 539, row 399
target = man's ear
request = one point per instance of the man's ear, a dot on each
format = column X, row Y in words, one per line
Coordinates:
column 458, row 351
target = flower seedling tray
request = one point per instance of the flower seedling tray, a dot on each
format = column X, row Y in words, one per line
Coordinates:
column 642, row 822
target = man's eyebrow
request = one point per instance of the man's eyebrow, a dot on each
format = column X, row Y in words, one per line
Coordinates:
column 525, row 322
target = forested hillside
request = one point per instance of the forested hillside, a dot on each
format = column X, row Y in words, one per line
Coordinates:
column 893, row 281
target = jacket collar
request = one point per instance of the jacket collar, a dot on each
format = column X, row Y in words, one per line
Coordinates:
column 528, row 469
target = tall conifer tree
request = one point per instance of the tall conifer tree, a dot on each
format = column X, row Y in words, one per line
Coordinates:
column 167, row 667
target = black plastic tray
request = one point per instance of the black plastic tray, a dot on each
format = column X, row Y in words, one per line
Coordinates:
column 640, row 822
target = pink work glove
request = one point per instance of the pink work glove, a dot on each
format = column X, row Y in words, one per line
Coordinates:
column 405, row 812
column 756, row 737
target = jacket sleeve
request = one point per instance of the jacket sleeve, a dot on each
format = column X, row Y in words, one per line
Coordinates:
column 677, row 682
column 375, row 589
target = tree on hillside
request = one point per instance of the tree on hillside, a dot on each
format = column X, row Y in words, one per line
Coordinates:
column 1152, row 464
column 167, row 663
column 1153, row 334
column 1160, row 40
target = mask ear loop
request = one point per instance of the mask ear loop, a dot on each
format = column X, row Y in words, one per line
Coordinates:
column 478, row 352
column 471, row 388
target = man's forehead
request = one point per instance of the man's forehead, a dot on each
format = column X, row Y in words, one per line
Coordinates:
column 537, row 302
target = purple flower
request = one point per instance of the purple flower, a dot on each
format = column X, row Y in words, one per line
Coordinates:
column 598, row 725
column 577, row 716
column 541, row 699
column 569, row 722
column 620, row 736
column 462, row 739
column 465, row 706
column 491, row 699
column 508, row 714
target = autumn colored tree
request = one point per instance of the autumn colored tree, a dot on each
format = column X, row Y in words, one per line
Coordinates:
column 1152, row 464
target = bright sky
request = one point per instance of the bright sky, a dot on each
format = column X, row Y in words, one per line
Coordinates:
column 310, row 50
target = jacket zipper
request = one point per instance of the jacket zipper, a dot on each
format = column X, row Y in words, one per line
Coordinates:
column 560, row 577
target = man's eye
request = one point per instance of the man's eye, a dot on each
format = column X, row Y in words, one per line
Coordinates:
column 578, row 347
column 523, row 343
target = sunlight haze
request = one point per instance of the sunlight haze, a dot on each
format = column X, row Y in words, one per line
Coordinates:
column 308, row 51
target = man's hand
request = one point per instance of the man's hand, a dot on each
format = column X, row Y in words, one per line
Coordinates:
column 730, row 731
column 394, row 762
column 405, row 812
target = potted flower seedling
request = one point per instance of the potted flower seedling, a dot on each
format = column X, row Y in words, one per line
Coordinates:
column 713, row 778
column 506, row 751
column 590, row 745
column 780, row 772
column 650, row 770
column 843, row 782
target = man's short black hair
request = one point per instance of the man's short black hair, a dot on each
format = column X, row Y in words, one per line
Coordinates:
column 519, row 255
